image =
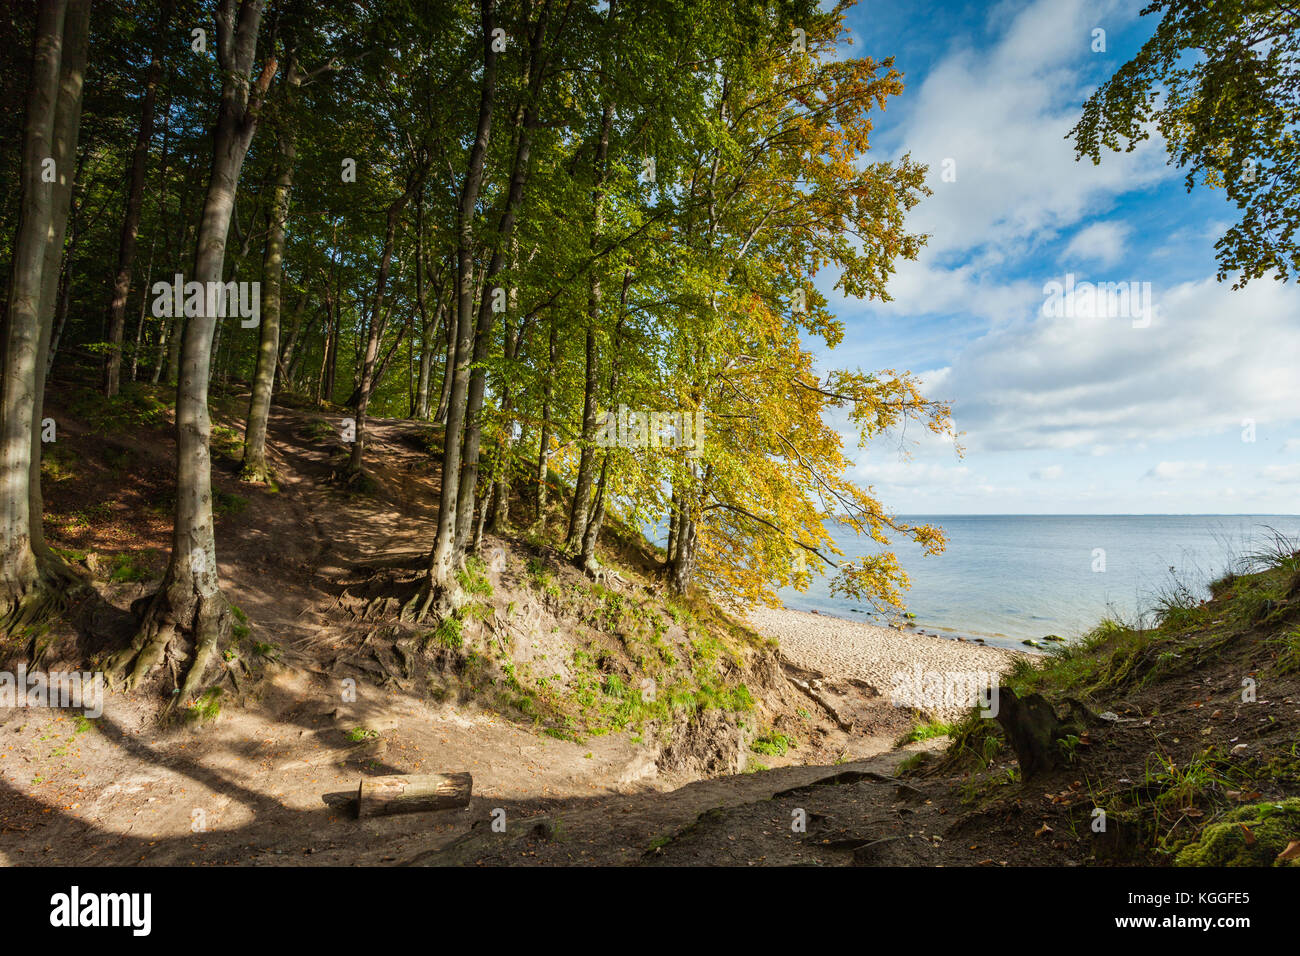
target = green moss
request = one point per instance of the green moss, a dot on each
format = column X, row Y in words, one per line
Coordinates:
column 225, row 504
column 926, row 731
column 773, row 744
column 126, row 568
column 1272, row 826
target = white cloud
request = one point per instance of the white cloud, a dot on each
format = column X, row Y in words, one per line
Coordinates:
column 1282, row 474
column 1177, row 470
column 1211, row 358
column 1102, row 242
column 1002, row 116
column 911, row 473
column 1050, row 473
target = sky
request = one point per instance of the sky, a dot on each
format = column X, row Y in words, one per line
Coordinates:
column 1190, row 407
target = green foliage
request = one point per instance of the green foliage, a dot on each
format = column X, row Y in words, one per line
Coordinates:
column 206, row 708
column 136, row 406
column 225, row 505
column 472, row 578
column 1218, row 82
column 448, row 633
column 925, row 731
column 773, row 744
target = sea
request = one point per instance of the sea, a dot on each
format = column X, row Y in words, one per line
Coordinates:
column 1011, row 578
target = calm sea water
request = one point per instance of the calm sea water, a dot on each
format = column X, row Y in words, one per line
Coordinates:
column 1011, row 577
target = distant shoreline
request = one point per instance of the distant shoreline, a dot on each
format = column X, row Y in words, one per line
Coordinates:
column 970, row 636
column 842, row 648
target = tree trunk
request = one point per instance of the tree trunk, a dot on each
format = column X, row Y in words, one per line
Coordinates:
column 134, row 202
column 428, row 332
column 377, row 322
column 189, row 603
column 587, row 559
column 50, row 134
column 544, row 442
column 597, row 517
column 671, row 549
column 581, row 506
column 268, row 347
column 468, row 485
column 1036, row 730
column 67, row 126
column 288, row 352
column 449, row 363
column 144, row 309
column 444, row 559
column 65, row 278
column 683, row 564
column 413, row 793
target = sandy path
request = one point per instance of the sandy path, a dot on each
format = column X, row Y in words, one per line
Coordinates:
column 881, row 656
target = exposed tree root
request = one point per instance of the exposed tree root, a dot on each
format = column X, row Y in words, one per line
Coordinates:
column 257, row 473
column 26, row 615
column 432, row 602
column 166, row 637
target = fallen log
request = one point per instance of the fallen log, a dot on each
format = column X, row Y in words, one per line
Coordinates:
column 412, row 793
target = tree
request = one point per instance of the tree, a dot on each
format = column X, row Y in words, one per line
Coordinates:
column 189, row 604
column 444, row 558
column 255, row 468
column 30, row 576
column 1220, row 81
column 134, row 202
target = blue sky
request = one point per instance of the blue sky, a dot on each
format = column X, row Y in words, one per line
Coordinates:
column 1084, row 413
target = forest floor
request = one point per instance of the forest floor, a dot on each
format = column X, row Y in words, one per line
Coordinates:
column 273, row 775
column 1183, row 764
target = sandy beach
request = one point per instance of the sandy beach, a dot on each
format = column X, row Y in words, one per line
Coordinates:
column 849, row 649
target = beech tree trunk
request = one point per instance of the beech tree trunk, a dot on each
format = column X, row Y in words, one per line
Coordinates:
column 444, row 558
column 448, row 319
column 580, row 509
column 134, row 202
column 420, row 408
column 468, row 484
column 544, row 441
column 289, row 358
column 189, row 603
column 144, row 309
column 28, row 572
column 268, row 346
column 67, row 126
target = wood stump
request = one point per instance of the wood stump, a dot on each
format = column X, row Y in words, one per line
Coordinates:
column 1035, row 729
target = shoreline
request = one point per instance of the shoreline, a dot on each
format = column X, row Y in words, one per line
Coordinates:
column 968, row 636
column 879, row 656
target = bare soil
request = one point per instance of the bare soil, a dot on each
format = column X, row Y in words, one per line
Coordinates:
column 270, row 779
